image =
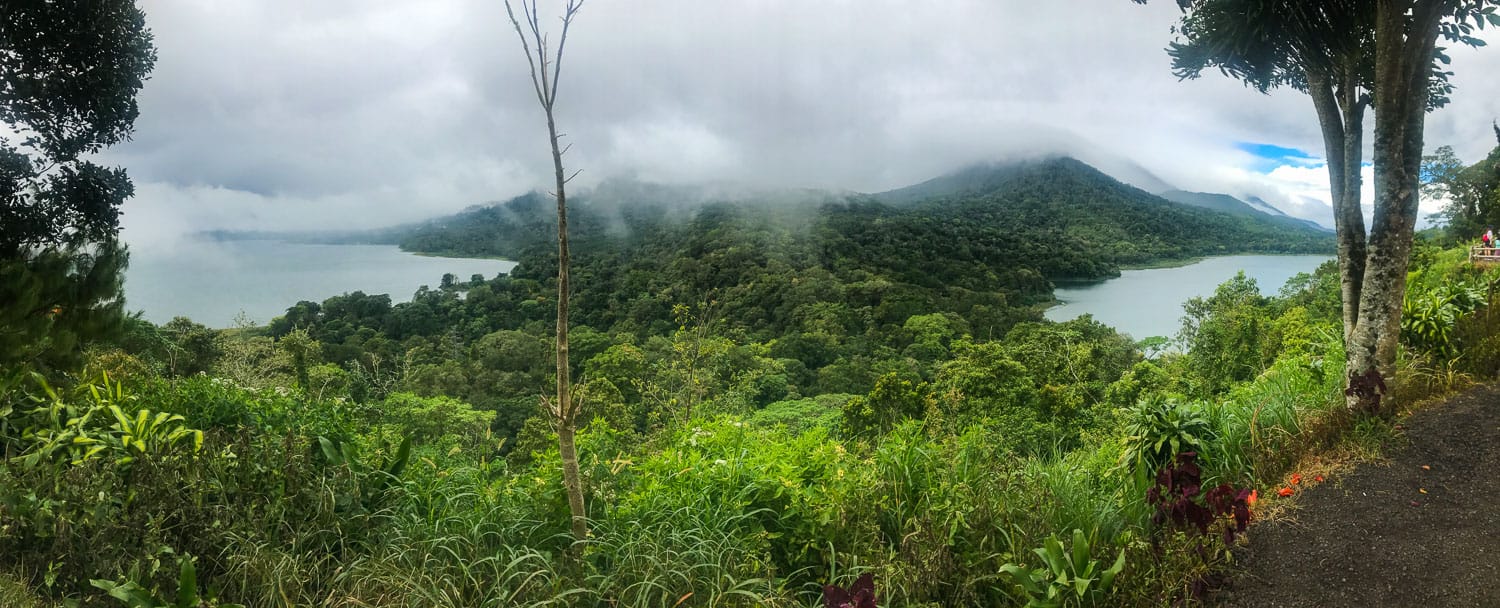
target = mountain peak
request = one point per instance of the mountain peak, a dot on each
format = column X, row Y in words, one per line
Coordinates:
column 986, row 177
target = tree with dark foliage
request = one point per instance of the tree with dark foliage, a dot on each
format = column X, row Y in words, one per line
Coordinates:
column 69, row 74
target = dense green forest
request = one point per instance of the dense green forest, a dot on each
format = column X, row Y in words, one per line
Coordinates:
column 1057, row 216
column 786, row 400
column 307, row 461
column 762, row 415
column 838, row 294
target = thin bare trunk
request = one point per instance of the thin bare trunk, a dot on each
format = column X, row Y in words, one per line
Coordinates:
column 567, row 414
column 564, row 410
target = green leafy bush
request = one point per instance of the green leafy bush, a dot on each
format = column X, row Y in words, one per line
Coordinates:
column 1429, row 318
column 1159, row 430
column 1067, row 578
column 135, row 596
column 801, row 415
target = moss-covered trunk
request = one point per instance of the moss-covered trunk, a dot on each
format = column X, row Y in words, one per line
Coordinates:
column 1405, row 36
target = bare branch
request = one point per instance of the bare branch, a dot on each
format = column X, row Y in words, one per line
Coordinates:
column 527, row 48
column 534, row 19
column 570, row 177
column 573, row 6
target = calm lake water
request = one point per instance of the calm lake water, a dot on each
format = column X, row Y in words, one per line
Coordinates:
column 213, row 281
column 1146, row 303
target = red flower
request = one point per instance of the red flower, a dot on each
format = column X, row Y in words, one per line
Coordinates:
column 1285, row 492
column 1296, row 478
column 1254, row 496
column 1318, row 479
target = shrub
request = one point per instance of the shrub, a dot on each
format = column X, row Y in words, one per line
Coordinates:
column 1159, row 430
column 800, row 415
column 1066, row 578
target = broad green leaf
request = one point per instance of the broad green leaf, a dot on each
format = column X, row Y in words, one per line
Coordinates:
column 1081, row 586
column 1080, row 550
column 403, row 454
column 330, row 450
column 187, row 585
column 1054, row 555
column 120, row 416
column 1107, row 578
column 1021, row 577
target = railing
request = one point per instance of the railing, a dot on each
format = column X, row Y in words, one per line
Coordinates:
column 1480, row 253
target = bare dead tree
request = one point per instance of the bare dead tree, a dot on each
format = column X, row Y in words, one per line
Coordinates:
column 545, row 71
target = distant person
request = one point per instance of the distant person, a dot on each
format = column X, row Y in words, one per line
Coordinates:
column 1489, row 238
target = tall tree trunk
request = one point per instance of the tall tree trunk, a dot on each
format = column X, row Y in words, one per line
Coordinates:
column 1404, row 45
column 1341, row 117
column 564, row 410
column 566, row 416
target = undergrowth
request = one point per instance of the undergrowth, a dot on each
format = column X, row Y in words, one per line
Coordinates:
column 292, row 499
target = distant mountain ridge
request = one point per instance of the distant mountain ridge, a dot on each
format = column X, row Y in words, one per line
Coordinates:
column 1056, row 215
column 1234, row 206
column 980, row 178
column 1207, row 200
column 1258, row 203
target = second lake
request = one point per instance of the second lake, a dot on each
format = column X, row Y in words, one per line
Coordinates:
column 1146, row 303
column 213, row 282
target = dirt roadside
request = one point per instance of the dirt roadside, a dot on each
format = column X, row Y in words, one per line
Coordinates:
column 1372, row 537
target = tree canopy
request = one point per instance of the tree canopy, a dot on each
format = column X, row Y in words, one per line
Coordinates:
column 1348, row 55
column 69, row 74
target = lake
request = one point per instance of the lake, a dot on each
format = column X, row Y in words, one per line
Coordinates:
column 212, row 282
column 1146, row 303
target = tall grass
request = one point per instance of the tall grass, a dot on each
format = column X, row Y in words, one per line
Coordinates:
column 715, row 512
column 1262, row 426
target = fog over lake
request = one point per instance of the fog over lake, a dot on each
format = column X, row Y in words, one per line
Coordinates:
column 1146, row 303
column 212, row 282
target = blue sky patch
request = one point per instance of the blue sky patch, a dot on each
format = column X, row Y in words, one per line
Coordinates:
column 1269, row 157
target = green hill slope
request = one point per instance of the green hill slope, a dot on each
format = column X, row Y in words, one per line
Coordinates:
column 983, row 243
column 1253, row 208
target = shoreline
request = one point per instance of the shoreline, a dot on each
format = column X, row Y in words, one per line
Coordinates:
column 454, row 256
column 1161, row 265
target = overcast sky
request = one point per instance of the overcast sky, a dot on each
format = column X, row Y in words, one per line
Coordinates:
column 359, row 113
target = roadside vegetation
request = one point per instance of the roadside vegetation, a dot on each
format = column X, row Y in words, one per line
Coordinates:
column 280, row 482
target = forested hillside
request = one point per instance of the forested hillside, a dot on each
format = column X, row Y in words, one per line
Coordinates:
column 363, row 450
column 1056, row 216
column 775, row 397
column 839, row 291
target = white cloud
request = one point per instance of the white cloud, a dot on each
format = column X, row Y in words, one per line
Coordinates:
column 1303, row 191
column 671, row 151
column 371, row 111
